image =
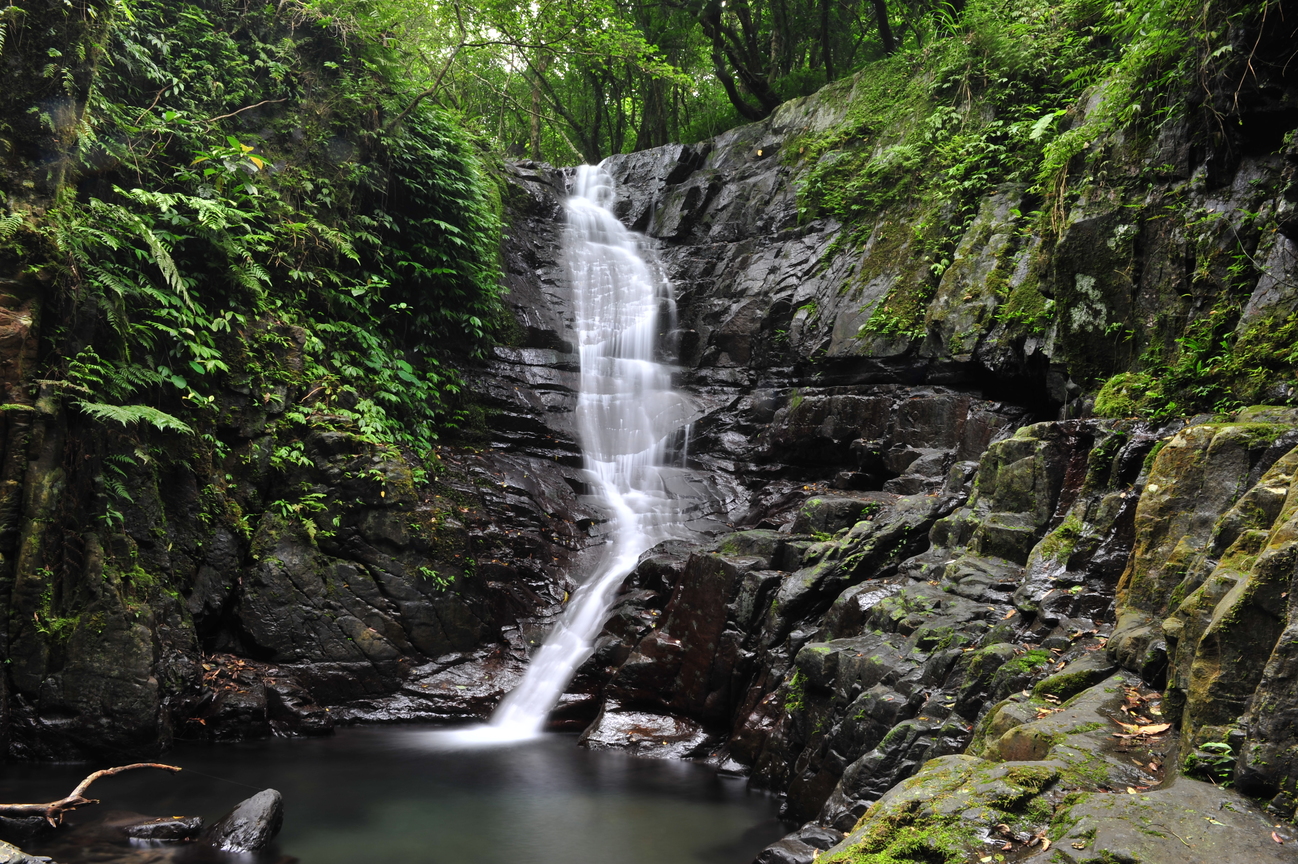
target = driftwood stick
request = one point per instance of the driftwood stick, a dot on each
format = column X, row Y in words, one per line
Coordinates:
column 54, row 810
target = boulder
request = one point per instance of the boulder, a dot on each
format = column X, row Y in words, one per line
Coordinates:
column 661, row 735
column 1210, row 825
column 250, row 826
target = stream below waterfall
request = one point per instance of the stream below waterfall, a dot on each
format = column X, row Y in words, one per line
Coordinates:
column 395, row 795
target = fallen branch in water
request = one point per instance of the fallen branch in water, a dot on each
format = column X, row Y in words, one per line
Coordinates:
column 54, row 810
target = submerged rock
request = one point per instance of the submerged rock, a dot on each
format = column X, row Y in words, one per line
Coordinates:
column 660, row 735
column 172, row 829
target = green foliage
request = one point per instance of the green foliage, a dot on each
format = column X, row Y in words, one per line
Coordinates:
column 303, row 510
column 128, row 414
column 440, row 582
column 9, row 225
column 795, row 695
column 267, row 204
column 1216, row 369
column 1033, row 95
column 1213, row 761
column 951, row 120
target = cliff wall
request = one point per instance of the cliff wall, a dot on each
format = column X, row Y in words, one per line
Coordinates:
column 982, row 536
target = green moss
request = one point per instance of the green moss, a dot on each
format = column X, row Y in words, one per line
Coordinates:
column 1100, row 461
column 1059, row 543
column 1064, row 685
column 1025, row 310
column 1147, row 465
column 1027, row 662
column 795, row 694
column 1033, row 778
column 927, row 841
column 1086, row 770
column 1127, row 394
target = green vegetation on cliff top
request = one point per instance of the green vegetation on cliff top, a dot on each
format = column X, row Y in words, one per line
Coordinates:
column 257, row 199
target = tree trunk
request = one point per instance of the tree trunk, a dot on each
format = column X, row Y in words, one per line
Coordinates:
column 885, row 31
column 653, row 116
column 741, row 52
column 826, row 47
column 536, row 110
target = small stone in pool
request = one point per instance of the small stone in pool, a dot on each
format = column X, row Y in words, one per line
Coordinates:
column 175, row 828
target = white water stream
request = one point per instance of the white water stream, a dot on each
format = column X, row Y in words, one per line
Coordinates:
column 628, row 416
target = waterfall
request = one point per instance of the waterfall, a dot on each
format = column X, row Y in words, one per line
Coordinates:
column 628, row 415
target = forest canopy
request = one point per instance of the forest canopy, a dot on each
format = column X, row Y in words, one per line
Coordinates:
column 566, row 80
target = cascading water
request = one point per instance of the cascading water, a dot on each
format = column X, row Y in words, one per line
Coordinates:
column 628, row 416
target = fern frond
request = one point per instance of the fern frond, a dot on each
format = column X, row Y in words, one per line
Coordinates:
column 336, row 239
column 117, row 489
column 129, row 414
column 10, row 224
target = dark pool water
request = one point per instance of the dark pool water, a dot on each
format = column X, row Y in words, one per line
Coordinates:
column 397, row 795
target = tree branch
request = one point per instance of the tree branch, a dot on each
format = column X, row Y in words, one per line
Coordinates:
column 212, row 120
column 54, row 810
column 429, row 92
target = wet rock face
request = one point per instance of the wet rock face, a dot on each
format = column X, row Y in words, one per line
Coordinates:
column 973, row 620
column 976, row 640
column 343, row 603
column 859, row 652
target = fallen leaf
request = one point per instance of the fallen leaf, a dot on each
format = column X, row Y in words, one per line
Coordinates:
column 1133, row 730
column 1276, row 838
column 1010, row 614
column 1131, row 791
column 1045, row 843
column 1079, row 845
